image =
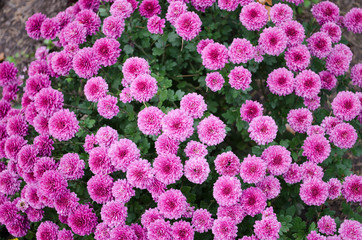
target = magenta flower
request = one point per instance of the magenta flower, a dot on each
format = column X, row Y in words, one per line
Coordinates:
column 164, row 145
column 241, row 51
column 294, row 31
column 227, row 190
column 107, row 107
column 273, row 41
column 297, row 58
column 159, row 230
column 42, row 165
column 174, row 10
column 52, row 184
column 86, row 63
column 8, row 73
column 113, row 27
column 325, row 11
column 17, row 125
column 240, row 78
column 263, row 130
column 197, row 170
column 214, row 56
column 33, row 25
column 334, row 188
column 100, row 188
column 214, row 81
column 350, row 229
column 211, row 130
column 99, row 161
column 47, row 231
column 155, row 24
column 95, row 89
column 346, row 105
column 300, row 119
column 193, row 105
column 351, row 188
column 281, row 81
column 195, row 149
column 27, row 157
column 149, row 8
column 270, row 186
column 140, row 174
column 278, row 159
column 228, row 5
column 188, row 25
column 202, row 44
column 71, row 166
column 150, row 216
column 201, row 5
column 66, row 203
column 133, row 67
column 268, row 228
column 337, row 62
column 172, row 204
column 313, row 191
column 122, row 9
column 90, row 20
column 316, row 148
column 168, row 168
column 327, row 225
column 143, row 88
column 149, row 120
column 48, row 101
column 281, row 13
column 177, row 125
column 106, row 136
column 114, row 213
column 9, row 183
column 61, row 63
column 252, row 169
column 235, row 212
column 63, row 125
column 294, row 174
column 333, row 31
column 122, row 153
column 107, row 51
column 311, row 170
column 182, row 230
column 356, row 75
column 343, row 136
column 315, row 129
column 253, row 201
column 254, row 16
column 202, row 220
column 320, row 44
column 224, row 228
column 227, row 164
column 83, row 220
column 49, row 28
column 122, row 191
column 352, row 20
column 329, row 124
column 73, row 33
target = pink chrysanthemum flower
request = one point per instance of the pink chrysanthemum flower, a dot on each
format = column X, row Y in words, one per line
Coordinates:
column 297, row 58
column 64, row 19
column 314, row 191
column 195, row 149
column 48, row 101
column 100, row 188
column 175, row 9
column 214, row 81
column 346, row 105
column 89, row 142
column 35, row 83
column 49, row 28
column 300, row 119
column 197, row 170
column 86, row 63
column 252, row 169
column 281, row 13
column 193, row 105
column 168, row 168
column 52, row 184
column 325, row 11
column 316, row 148
column 140, row 174
column 211, row 130
column 294, row 31
column 177, row 125
column 122, row 191
column 320, row 44
column 150, row 216
column 334, row 188
column 254, row 16
column 235, row 212
column 202, row 44
column 333, row 31
column 356, row 75
column 65, row 235
column 202, row 220
column 107, row 51
column 224, row 228
column 315, row 129
column 240, row 78
column 121, row 8
column 327, row 225
column 122, row 232
column 270, row 186
column 172, row 204
column 294, row 174
column 182, row 230
column 39, row 66
column 149, row 8
column 241, row 51
column 63, row 125
column 27, row 157
column 267, row 228
column 113, row 27
column 61, row 63
column 164, row 145
column 263, row 130
column 17, row 125
column 133, row 67
column 307, row 84
column 352, row 20
column 227, row 190
column 159, row 230
column 253, row 201
column 351, row 188
column 281, row 81
column 155, row 24
column 227, row 164
column 5, row 107
column 34, row 215
column 83, row 220
column 273, row 41
column 90, row 20
column 95, row 89
column 99, row 161
column 42, row 165
column 47, row 231
column 114, row 213
column 228, row 5
column 214, row 56
column 9, row 182
column 125, row 95
column 8, row 73
column 122, row 153
column 106, row 136
column 149, row 120
column 201, row 5
column 33, row 25
column 13, row 145
column 350, row 230
column 188, row 25
column 66, row 203
column 73, row 33
column 337, row 63
column 312, row 103
column 89, row 4
column 71, row 166
column 311, row 170
column 107, row 107
column 278, row 159
column 143, row 88
column 343, row 136
column 329, row 124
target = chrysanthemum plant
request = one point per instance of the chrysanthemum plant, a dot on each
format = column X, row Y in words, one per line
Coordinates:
column 184, row 120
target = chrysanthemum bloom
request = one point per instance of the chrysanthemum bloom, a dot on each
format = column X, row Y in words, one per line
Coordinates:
column 106, row 136
column 47, row 231
column 270, row 186
column 149, row 216
column 63, row 19
column 201, row 5
column 164, row 145
column 71, row 166
column 311, row 170
column 73, row 33
column 83, row 220
column 156, row 189
column 102, row 232
column 350, row 230
column 267, row 228
column 52, row 184
column 133, row 67
column 320, row 44
column 19, row 227
column 8, row 212
column 346, row 105
column 122, row 191
column 159, row 230
column 13, row 145
column 228, row 5
column 140, row 174
column 8, row 73
column 174, row 10
column 325, row 12
column 352, row 20
column 356, row 75
column 307, row 84
column 149, row 120
column 193, row 105
column 155, row 24
column 114, row 213
column 95, row 89
column 122, row 232
column 90, row 20
column 227, row 164
column 263, row 130
column 315, row 129
column 294, row 32
column 17, row 125
column 66, row 203
column 113, row 27
column 27, row 157
column 252, row 169
column 227, row 190
column 202, row 220
column 177, row 125
column 42, row 165
column 33, row 25
column 89, row 4
column 107, row 107
column 333, row 31
column 351, row 188
column 337, row 63
column 63, row 125
column 125, row 95
column 9, row 182
column 253, row 201
column 195, row 149
column 188, row 25
column 254, row 16
column 312, row 103
column 281, row 13
column 89, row 142
column 329, row 124
column 34, row 215
column 65, row 234
column 316, row 148
column 168, row 168
column 48, row 101
column 49, row 28
column 235, row 212
column 122, row 153
column 281, row 81
column 143, row 88
column 273, row 41
column 86, row 63
column 313, row 191
column 343, row 136
column 300, row 119
column 182, row 230
column 297, row 58
column 30, row 113
column 241, row 51
column 121, row 8
column 334, row 188
column 149, row 8
column 100, row 188
column 99, row 161
column 61, row 63
column 172, row 204
column 35, row 83
column 39, row 67
column 202, row 44
column 214, row 56
column 211, row 130
column 214, row 81
column 240, row 78
column 197, row 170
column 5, row 106
column 294, row 174
column 277, row 158
column 327, row 225
column 107, row 51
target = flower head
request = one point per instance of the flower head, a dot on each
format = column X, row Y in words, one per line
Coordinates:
column 214, row 81
column 278, row 159
column 100, row 188
column 214, row 56
column 240, row 78
column 107, row 107
column 263, row 130
column 254, row 16
column 197, row 170
column 300, row 119
column 351, row 188
column 316, row 148
column 227, row 190
column 211, row 130
column 314, row 191
column 63, row 125
column 168, row 168
column 281, row 81
column 172, row 204
column 253, row 201
column 188, row 25
column 177, row 125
